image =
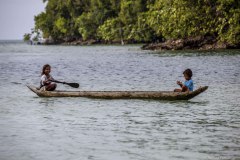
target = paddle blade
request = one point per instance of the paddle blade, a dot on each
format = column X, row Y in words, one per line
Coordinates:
column 74, row 85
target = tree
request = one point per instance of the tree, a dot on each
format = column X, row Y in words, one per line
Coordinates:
column 27, row 37
column 140, row 20
column 111, row 30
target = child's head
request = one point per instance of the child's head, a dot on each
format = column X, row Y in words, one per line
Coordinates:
column 187, row 74
column 46, row 69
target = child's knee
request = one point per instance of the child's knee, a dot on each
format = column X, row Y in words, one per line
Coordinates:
column 184, row 89
column 177, row 90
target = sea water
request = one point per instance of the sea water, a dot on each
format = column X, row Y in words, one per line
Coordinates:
column 34, row 128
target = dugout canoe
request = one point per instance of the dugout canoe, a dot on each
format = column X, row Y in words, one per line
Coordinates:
column 158, row 95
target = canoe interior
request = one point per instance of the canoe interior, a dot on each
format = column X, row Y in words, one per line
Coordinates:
column 159, row 95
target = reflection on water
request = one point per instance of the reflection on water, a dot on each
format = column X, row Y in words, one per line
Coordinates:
column 207, row 127
column 48, row 102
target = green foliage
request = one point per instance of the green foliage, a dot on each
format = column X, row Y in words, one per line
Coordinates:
column 87, row 27
column 44, row 23
column 110, row 30
column 88, row 22
column 27, row 37
column 60, row 24
column 140, row 20
column 187, row 18
column 141, row 31
column 228, row 26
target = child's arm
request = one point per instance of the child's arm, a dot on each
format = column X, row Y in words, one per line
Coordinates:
column 183, row 87
column 180, row 84
column 46, row 82
column 50, row 79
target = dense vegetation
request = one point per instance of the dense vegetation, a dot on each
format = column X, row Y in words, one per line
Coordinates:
column 139, row 20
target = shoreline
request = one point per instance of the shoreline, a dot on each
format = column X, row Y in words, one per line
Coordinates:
column 191, row 43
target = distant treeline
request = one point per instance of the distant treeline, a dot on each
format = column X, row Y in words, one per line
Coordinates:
column 139, row 21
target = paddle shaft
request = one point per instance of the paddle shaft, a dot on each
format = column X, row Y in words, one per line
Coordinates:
column 74, row 85
column 58, row 81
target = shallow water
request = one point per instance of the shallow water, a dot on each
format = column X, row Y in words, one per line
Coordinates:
column 206, row 127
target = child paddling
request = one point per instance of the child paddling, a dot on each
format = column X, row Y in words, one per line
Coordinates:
column 46, row 79
column 188, row 84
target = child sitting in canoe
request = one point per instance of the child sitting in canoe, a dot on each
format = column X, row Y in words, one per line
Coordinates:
column 46, row 79
column 188, row 84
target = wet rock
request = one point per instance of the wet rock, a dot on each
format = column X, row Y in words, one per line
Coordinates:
column 191, row 43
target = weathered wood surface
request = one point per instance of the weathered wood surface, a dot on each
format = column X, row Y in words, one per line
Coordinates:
column 159, row 95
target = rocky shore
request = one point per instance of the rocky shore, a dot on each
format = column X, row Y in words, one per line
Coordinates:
column 81, row 42
column 192, row 43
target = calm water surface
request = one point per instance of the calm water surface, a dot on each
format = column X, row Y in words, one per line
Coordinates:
column 204, row 128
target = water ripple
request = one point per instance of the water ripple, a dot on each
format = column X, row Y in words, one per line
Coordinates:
column 206, row 127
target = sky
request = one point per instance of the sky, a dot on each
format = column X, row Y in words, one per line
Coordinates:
column 17, row 17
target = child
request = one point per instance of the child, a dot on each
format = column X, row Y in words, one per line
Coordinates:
column 188, row 84
column 46, row 79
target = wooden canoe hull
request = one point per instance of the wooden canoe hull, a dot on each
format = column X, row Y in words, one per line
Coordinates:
column 158, row 95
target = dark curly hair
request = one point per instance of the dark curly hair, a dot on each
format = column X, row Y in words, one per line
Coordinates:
column 188, row 72
column 44, row 67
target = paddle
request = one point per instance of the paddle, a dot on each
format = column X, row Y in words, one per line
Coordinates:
column 74, row 85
